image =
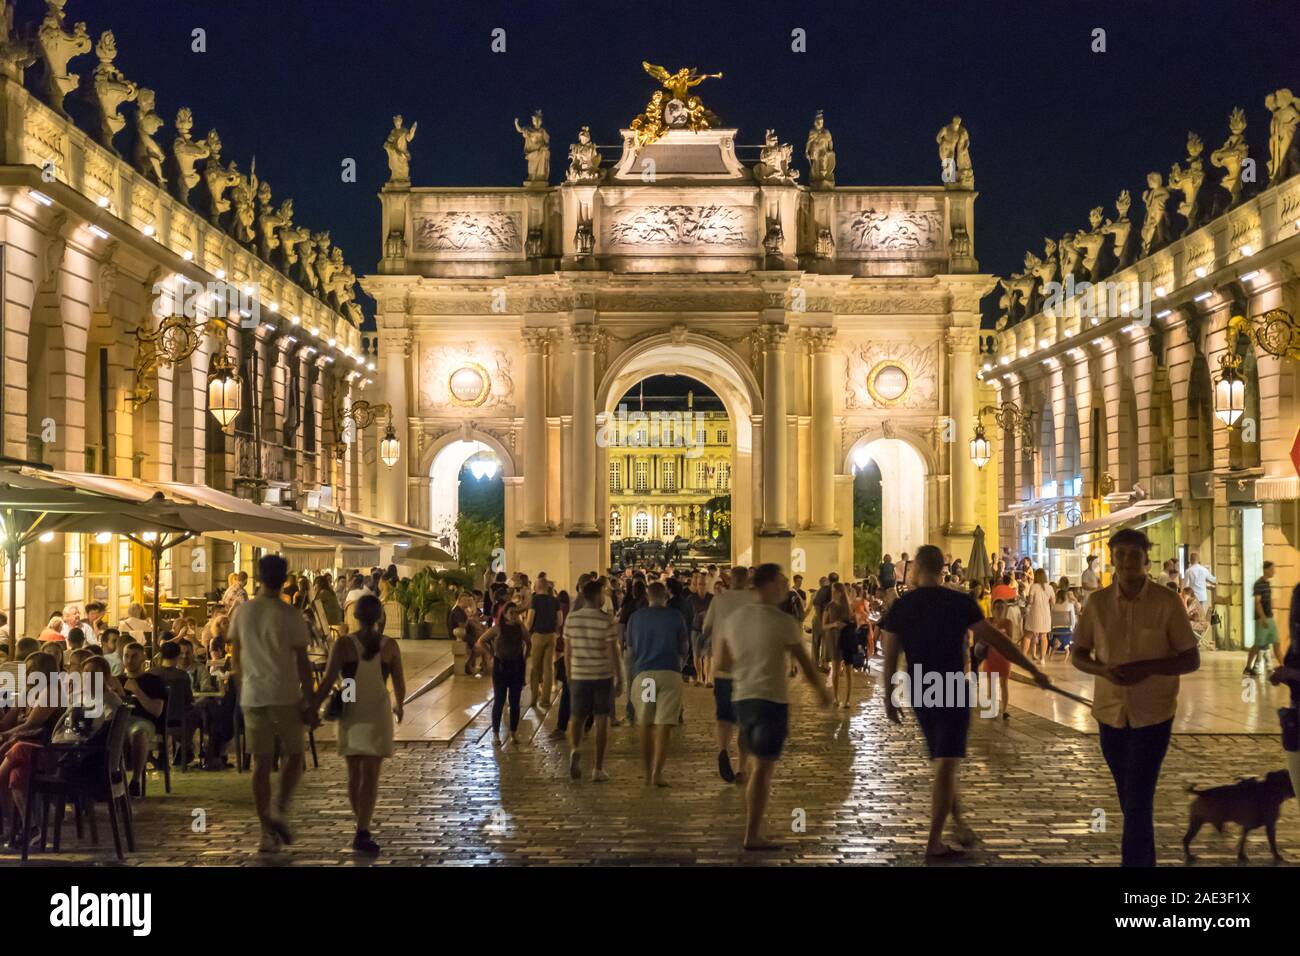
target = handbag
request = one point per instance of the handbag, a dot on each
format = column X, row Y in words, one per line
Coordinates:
column 1289, row 718
column 334, row 706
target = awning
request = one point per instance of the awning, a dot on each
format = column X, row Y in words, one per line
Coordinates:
column 1139, row 515
column 1280, row 488
column 373, row 527
column 299, row 533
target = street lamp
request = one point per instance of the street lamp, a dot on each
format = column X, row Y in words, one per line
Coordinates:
column 979, row 447
column 1230, row 391
column 223, row 389
column 390, row 449
column 362, row 415
column 1276, row 333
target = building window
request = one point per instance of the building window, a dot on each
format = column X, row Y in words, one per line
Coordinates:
column 670, row 476
column 614, row 472
column 642, row 475
column 701, row 474
column 641, row 525
column 701, row 436
column 724, row 476
column 669, row 525
column 722, row 436
column 615, row 524
column 667, row 434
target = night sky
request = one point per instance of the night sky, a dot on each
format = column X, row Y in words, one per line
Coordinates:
column 1055, row 128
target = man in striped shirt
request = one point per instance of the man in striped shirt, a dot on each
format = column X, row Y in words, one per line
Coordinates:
column 591, row 665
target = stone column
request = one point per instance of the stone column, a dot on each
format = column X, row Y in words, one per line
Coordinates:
column 824, row 449
column 394, row 359
column 535, row 427
column 962, row 345
column 776, row 460
column 584, row 428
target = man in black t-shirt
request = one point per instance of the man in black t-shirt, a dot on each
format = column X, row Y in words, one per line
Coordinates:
column 148, row 699
column 929, row 623
column 543, row 619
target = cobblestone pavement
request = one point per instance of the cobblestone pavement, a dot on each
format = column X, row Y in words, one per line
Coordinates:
column 1032, row 789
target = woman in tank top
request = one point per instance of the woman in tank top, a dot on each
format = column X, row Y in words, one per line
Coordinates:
column 507, row 646
column 366, row 660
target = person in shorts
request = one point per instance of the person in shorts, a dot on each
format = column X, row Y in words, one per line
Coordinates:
column 717, row 621
column 929, row 622
column 591, row 666
column 657, row 643
column 754, row 650
column 1266, row 639
column 268, row 641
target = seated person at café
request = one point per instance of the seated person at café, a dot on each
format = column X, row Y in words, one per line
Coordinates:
column 148, row 700
column 172, row 673
column 53, row 631
column 113, row 639
column 77, row 732
column 24, row 732
column 135, row 623
column 95, row 621
column 10, row 689
column 214, row 639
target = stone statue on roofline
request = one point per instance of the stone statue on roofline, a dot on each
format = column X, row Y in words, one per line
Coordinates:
column 270, row 221
column 218, row 179
column 1232, row 156
column 819, row 150
column 1283, row 149
column 773, row 166
column 398, row 149
column 537, row 150
column 1044, row 272
column 185, row 153
column 1123, row 239
column 1188, row 182
column 584, row 159
column 111, row 89
column 148, row 155
column 56, row 45
column 290, row 237
column 954, row 155
column 306, row 274
column 1155, row 227
column 242, row 196
column 322, row 265
column 16, row 54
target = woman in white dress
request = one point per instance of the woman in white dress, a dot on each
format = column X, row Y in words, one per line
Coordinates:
column 367, row 659
column 1038, row 615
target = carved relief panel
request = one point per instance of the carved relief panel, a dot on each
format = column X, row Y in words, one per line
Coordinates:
column 464, row 377
column 885, row 226
column 883, row 374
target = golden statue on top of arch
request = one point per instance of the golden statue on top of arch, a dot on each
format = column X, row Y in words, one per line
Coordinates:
column 676, row 108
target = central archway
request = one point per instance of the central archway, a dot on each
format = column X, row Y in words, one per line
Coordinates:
column 904, row 491
column 725, row 373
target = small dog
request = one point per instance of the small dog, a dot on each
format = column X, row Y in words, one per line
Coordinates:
column 1251, row 803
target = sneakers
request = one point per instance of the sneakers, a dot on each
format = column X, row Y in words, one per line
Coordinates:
column 599, row 776
column 363, row 843
column 270, row 842
column 575, row 770
column 724, row 767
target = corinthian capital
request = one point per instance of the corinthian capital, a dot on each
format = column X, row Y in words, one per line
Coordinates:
column 585, row 334
column 773, row 336
column 819, row 338
column 537, row 339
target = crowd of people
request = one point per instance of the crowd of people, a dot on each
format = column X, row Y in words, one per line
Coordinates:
column 622, row 647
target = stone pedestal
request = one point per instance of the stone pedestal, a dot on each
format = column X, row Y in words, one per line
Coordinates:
column 774, row 547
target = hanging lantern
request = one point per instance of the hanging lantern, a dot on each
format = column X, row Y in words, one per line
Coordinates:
column 390, row 449
column 1230, row 391
column 979, row 448
column 223, row 391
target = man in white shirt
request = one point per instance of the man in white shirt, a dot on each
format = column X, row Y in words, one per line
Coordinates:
column 1135, row 638
column 717, row 621
column 268, row 645
column 1089, row 580
column 72, row 622
column 1200, row 580
column 754, row 648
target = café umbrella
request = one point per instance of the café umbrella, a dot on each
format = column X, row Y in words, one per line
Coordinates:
column 978, row 567
column 159, row 524
column 30, row 509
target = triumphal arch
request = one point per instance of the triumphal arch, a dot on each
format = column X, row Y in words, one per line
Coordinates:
column 837, row 323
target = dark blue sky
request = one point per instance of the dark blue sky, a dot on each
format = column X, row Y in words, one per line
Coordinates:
column 1055, row 128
